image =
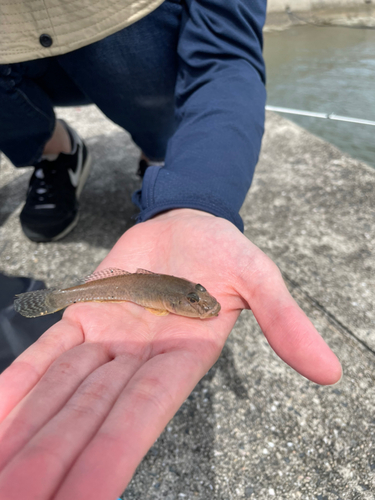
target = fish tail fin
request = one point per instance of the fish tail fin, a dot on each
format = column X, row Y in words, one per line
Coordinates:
column 39, row 303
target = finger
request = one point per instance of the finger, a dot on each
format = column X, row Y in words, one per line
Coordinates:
column 140, row 414
column 56, row 446
column 22, row 375
column 286, row 327
column 48, row 396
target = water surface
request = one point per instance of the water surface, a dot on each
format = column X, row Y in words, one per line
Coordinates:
column 326, row 70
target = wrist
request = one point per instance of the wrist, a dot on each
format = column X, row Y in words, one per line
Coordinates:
column 181, row 212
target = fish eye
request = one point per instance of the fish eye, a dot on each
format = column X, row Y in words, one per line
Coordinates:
column 193, row 297
column 200, row 288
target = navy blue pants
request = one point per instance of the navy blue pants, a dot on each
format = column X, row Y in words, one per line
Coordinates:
column 129, row 75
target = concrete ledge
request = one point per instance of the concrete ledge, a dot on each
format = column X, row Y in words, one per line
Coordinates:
column 360, row 15
column 306, row 5
column 312, row 208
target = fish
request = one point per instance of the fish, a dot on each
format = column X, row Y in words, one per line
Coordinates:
column 160, row 294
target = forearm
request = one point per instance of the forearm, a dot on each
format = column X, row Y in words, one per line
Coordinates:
column 220, row 98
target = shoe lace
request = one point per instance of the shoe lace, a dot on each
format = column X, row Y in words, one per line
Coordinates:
column 44, row 187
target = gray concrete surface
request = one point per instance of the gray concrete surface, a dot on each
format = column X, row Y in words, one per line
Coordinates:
column 252, row 428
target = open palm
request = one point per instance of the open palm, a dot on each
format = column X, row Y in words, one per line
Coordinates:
column 81, row 407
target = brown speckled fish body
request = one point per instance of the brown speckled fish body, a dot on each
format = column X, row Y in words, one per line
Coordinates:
column 160, row 293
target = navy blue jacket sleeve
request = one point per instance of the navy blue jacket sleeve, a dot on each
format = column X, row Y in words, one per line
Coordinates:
column 220, row 100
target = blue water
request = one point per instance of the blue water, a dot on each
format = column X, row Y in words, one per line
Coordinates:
column 326, row 69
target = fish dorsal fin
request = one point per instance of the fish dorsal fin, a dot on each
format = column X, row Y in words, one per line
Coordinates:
column 104, row 273
column 143, row 271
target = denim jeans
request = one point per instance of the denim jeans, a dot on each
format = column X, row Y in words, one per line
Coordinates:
column 129, row 75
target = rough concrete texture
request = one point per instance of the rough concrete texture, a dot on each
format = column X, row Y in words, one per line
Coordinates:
column 252, row 428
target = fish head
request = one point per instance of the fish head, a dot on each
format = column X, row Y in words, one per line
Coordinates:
column 195, row 303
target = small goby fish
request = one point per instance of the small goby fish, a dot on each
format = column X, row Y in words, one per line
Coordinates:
column 159, row 293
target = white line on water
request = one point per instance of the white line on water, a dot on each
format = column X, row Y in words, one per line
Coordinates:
column 326, row 116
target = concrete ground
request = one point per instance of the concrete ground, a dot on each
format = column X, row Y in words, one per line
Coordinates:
column 252, row 428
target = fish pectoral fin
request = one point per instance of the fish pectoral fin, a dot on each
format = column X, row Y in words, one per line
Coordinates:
column 157, row 312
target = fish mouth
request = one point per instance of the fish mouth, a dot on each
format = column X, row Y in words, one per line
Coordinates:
column 212, row 312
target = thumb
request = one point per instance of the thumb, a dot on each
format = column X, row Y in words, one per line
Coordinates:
column 287, row 328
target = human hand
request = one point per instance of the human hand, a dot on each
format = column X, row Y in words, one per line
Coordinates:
column 81, row 407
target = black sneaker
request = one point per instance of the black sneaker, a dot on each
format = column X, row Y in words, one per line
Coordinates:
column 51, row 208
